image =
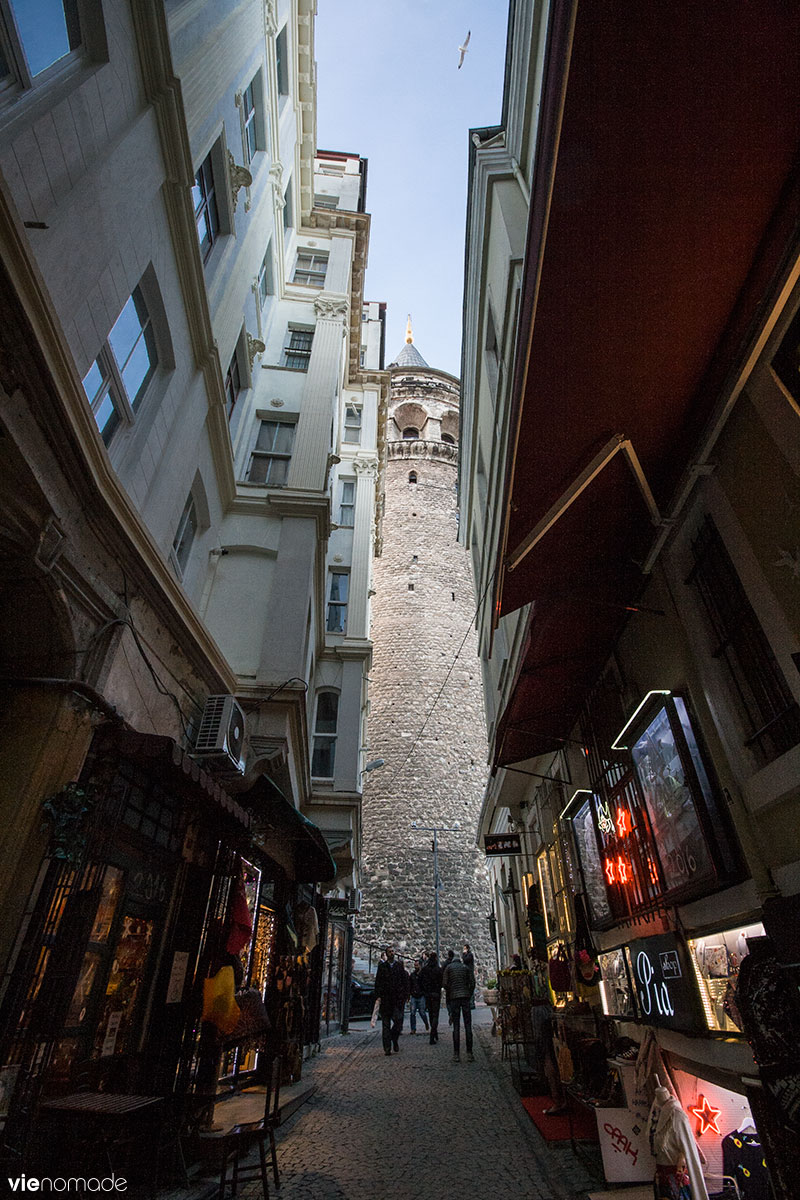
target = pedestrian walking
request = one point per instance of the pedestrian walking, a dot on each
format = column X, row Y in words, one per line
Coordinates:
column 468, row 958
column 430, row 978
column 459, row 985
column 417, row 1002
column 391, row 989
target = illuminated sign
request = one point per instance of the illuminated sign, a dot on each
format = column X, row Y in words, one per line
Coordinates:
column 706, row 1115
column 495, row 844
column 663, row 982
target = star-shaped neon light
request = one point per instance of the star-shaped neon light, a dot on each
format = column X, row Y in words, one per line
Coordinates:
column 706, row 1115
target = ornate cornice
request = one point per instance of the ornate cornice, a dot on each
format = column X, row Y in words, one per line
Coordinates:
column 270, row 18
column 238, row 178
column 365, row 466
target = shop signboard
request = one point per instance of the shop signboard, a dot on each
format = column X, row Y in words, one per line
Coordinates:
column 664, row 983
column 497, row 844
column 338, row 907
column 624, row 1146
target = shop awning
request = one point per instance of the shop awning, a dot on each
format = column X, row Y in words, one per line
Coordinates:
column 276, row 817
column 664, row 203
column 164, row 758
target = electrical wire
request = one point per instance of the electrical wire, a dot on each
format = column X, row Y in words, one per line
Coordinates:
column 399, row 770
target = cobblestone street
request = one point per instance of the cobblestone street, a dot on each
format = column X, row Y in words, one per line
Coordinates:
column 417, row 1126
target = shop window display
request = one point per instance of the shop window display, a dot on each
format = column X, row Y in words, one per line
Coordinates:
column 616, row 989
column 717, row 959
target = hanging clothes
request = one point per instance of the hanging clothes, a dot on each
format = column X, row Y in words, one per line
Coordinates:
column 307, row 925
column 743, row 1159
column 675, row 1151
column 241, row 927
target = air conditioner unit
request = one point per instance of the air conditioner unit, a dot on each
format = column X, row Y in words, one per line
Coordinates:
column 220, row 739
column 354, row 898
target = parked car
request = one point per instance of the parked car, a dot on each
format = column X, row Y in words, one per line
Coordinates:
column 362, row 998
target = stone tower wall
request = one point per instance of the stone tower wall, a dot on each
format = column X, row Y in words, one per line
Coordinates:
column 422, row 611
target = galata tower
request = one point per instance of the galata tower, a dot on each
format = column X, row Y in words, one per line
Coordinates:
column 426, row 717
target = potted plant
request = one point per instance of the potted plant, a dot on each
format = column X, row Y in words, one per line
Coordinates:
column 490, row 993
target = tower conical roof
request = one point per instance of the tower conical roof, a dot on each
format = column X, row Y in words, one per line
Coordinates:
column 409, row 356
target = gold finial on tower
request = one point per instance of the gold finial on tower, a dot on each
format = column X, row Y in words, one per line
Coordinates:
column 409, row 334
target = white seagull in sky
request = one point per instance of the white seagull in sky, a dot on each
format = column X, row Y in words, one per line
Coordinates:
column 462, row 50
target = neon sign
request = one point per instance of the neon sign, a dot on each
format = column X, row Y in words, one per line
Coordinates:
column 604, row 819
column 623, row 822
column 652, row 994
column 706, row 1115
column 618, row 870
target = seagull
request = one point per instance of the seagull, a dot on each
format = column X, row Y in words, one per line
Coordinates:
column 462, row 50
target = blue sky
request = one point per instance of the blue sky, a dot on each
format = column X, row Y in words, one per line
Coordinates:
column 389, row 88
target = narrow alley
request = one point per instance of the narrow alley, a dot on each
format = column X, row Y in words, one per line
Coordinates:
column 418, row 1125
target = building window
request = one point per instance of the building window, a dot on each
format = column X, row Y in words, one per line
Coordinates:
column 352, row 425
column 206, row 211
column 297, row 351
column 410, row 433
column 448, row 439
column 118, row 378
column 411, row 587
column 272, row 453
column 412, row 476
column 36, row 37
column 233, row 385
column 310, row 268
column 184, row 535
column 266, row 286
column 786, row 363
column 347, row 503
column 770, row 712
column 251, row 101
column 288, row 216
column 323, row 755
column 323, row 201
column 282, row 62
column 337, row 602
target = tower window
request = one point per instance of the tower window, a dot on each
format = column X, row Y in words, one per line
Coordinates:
column 411, row 587
column 412, row 477
column 448, row 439
column 410, row 433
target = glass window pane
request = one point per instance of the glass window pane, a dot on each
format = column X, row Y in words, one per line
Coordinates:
column 337, row 617
column 284, row 437
column 137, row 372
column 93, row 381
column 43, row 31
column 339, row 586
column 125, row 332
column 266, row 435
column 323, row 757
column 327, row 711
column 107, row 418
column 258, row 469
column 278, row 470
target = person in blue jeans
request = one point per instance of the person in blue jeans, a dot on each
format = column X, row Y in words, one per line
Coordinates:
column 417, row 1002
column 459, row 984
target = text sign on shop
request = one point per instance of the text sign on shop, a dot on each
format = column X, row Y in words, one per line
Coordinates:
column 666, row 993
column 495, row 844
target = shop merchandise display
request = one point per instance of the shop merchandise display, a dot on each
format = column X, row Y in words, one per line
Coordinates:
column 717, row 959
column 743, row 1161
column 290, row 987
column 679, row 1170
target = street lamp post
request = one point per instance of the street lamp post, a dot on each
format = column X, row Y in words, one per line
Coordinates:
column 436, row 830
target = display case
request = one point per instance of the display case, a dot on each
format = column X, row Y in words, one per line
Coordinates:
column 616, row 989
column 716, row 959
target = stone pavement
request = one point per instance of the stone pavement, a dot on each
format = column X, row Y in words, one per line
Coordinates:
column 417, row 1126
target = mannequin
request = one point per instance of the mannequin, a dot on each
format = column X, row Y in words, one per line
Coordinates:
column 679, row 1174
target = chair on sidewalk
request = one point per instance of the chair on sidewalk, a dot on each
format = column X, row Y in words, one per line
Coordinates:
column 241, row 1138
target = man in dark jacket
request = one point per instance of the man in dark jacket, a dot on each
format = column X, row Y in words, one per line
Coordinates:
column 391, row 988
column 430, row 981
column 417, row 1005
column 459, row 984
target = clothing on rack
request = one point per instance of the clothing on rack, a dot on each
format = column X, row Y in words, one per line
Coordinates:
column 673, row 1145
column 743, row 1159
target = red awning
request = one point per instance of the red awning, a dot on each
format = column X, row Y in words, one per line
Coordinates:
column 675, row 193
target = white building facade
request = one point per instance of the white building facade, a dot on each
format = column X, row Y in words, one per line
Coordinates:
column 195, row 433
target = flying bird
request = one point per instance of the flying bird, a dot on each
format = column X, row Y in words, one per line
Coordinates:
column 462, row 50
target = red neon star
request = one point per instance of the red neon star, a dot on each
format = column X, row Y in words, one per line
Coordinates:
column 622, row 869
column 706, row 1115
column 609, row 868
column 623, row 822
